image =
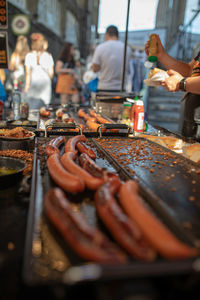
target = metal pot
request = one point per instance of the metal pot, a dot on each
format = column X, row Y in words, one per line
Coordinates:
column 18, row 144
column 12, row 163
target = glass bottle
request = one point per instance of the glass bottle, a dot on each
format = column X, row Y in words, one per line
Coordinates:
column 16, row 100
column 24, row 107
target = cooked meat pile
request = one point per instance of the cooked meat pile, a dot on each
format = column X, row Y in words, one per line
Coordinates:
column 17, row 132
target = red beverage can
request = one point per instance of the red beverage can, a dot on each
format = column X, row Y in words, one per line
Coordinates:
column 1, row 109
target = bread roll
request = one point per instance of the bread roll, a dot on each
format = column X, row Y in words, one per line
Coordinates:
column 192, row 152
column 154, row 71
column 171, row 142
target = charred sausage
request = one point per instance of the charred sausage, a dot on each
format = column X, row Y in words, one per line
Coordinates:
column 126, row 232
column 90, row 181
column 88, row 242
column 84, row 148
column 53, row 146
column 70, row 145
column 64, row 179
column 158, row 235
column 91, row 167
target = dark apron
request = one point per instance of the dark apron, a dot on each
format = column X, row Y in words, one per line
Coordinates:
column 190, row 116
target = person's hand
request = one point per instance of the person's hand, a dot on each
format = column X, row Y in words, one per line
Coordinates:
column 161, row 49
column 171, row 83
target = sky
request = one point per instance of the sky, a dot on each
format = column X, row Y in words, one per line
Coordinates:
column 142, row 14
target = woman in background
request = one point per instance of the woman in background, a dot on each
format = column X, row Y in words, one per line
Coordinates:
column 65, row 68
column 39, row 67
column 17, row 60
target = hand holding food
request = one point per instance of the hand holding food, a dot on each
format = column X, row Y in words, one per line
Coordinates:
column 171, row 83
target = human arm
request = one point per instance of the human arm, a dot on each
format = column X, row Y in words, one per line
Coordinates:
column 96, row 65
column 169, row 62
column 27, row 78
column 51, row 72
column 12, row 62
column 59, row 68
column 172, row 83
column 95, row 68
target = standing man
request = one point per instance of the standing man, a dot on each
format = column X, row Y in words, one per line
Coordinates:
column 108, row 61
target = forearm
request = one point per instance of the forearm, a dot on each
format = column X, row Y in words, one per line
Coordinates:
column 171, row 63
column 193, row 85
column 27, row 82
column 65, row 71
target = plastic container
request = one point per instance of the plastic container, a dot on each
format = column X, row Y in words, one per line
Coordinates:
column 153, row 49
column 138, row 116
column 127, row 110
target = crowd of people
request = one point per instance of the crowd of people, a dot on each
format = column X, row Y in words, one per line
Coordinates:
column 34, row 71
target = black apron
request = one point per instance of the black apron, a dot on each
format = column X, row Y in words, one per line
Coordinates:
column 190, row 116
column 190, row 109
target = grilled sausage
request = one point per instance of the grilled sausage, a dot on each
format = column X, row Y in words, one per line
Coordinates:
column 88, row 242
column 102, row 120
column 91, row 167
column 64, row 179
column 158, row 235
column 53, row 146
column 119, row 224
column 44, row 112
column 71, row 143
column 84, row 148
column 68, row 163
column 81, row 113
column 93, row 126
column 92, row 113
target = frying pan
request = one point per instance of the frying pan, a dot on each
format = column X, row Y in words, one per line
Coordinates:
column 13, row 163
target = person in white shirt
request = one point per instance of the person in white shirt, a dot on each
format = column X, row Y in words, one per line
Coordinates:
column 108, row 61
column 39, row 66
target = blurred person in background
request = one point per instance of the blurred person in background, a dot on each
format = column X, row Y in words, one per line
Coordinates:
column 108, row 61
column 17, row 60
column 65, row 68
column 39, row 66
column 183, row 77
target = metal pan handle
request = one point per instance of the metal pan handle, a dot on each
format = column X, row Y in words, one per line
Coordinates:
column 112, row 126
column 60, row 125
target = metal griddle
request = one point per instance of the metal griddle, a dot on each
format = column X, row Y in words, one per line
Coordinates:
column 172, row 178
column 48, row 259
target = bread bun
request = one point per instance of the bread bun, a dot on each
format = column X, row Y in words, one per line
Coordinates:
column 192, row 152
column 171, row 142
column 154, row 71
column 149, row 137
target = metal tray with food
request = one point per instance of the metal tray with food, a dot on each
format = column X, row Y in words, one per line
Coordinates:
column 17, row 138
column 174, row 179
column 51, row 253
column 92, row 121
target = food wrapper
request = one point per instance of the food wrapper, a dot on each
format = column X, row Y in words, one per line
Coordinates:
column 155, row 79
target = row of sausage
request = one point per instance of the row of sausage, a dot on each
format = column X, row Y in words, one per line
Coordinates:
column 137, row 231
